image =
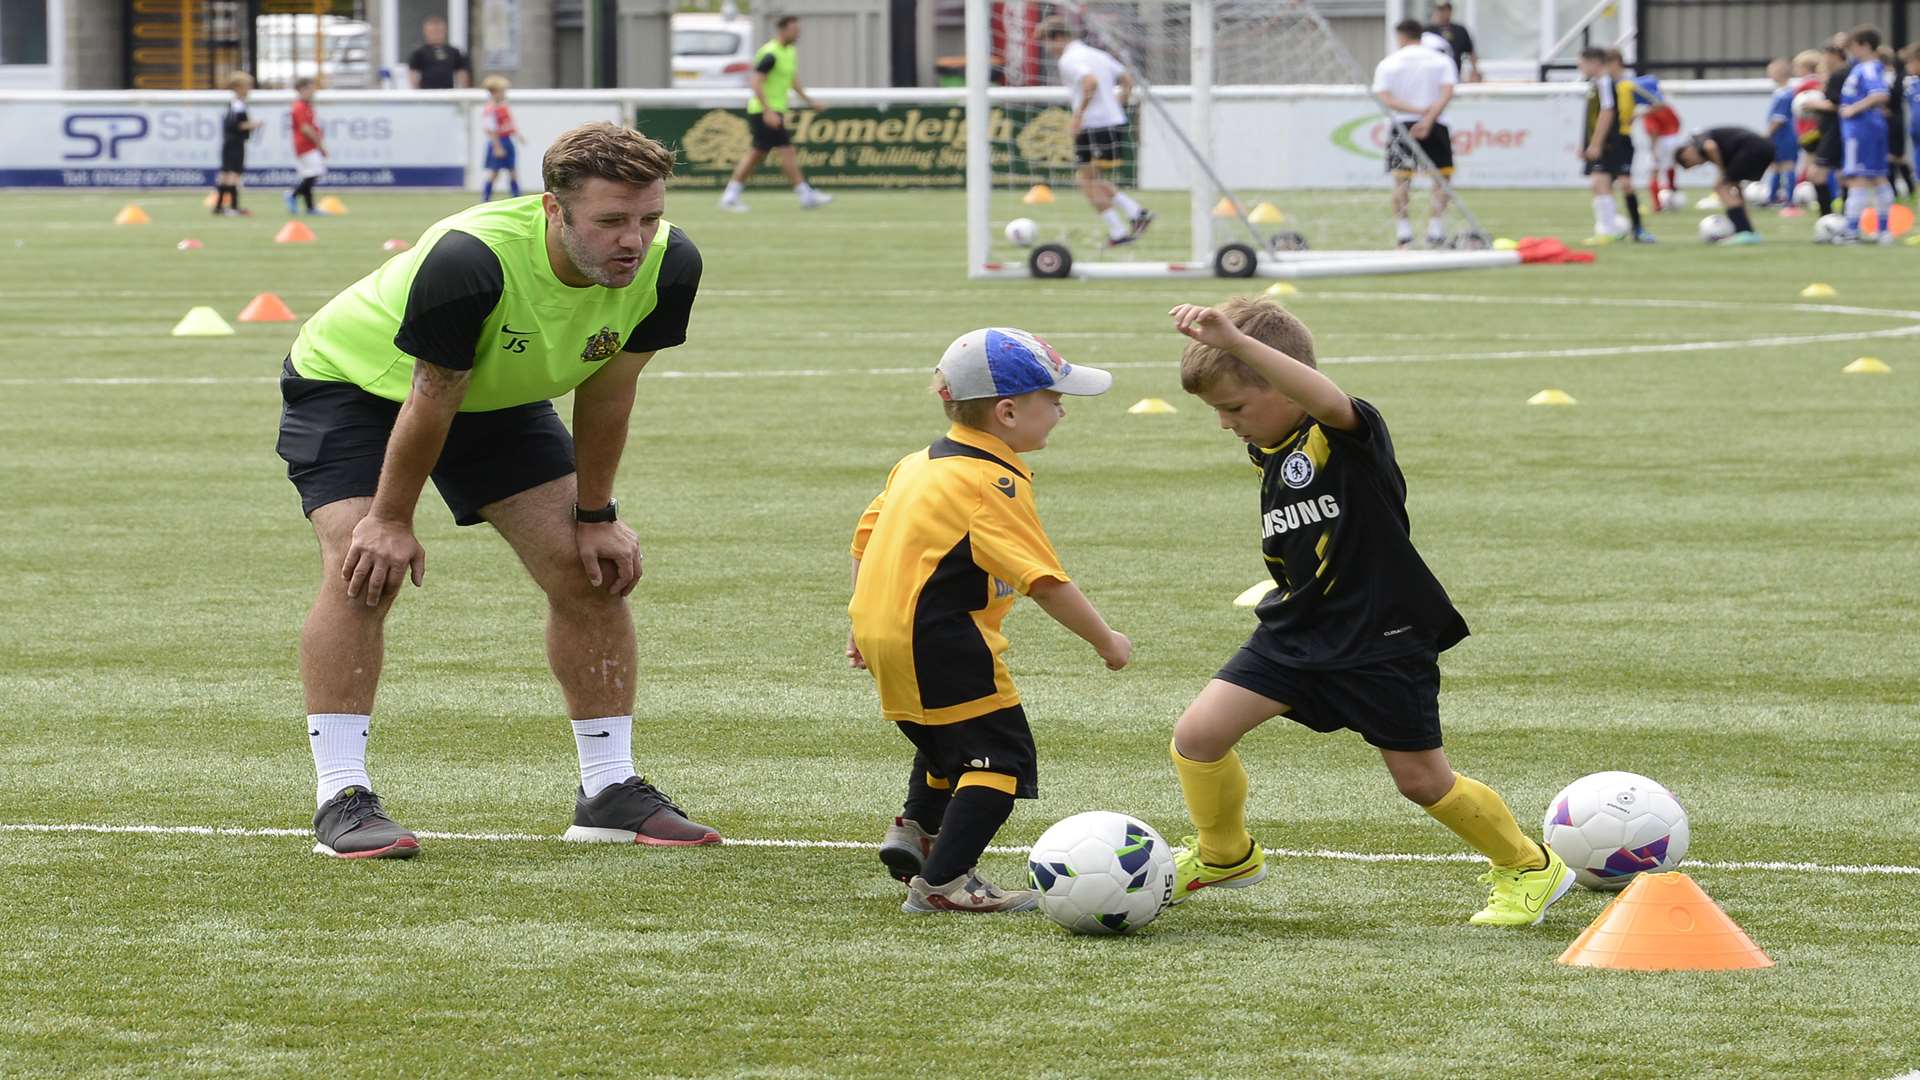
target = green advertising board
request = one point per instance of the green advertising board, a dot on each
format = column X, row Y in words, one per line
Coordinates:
column 901, row 147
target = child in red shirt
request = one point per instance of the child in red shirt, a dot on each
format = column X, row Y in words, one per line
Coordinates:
column 310, row 155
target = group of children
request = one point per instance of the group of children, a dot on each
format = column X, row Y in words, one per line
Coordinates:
column 310, row 152
column 1349, row 638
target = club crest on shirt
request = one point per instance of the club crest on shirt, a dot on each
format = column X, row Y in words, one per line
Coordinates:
column 601, row 345
column 1297, row 470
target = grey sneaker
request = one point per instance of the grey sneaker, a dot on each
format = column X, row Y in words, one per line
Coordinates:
column 968, row 892
column 352, row 825
column 906, row 848
column 634, row 812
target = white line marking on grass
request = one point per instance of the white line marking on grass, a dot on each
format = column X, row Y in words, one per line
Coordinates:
column 1583, row 352
column 1326, row 854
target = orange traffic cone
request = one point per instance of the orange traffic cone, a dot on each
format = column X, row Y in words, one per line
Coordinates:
column 266, row 308
column 294, row 232
column 1664, row 922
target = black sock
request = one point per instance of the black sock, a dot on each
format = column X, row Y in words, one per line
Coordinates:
column 219, row 196
column 975, row 814
column 233, row 196
column 1633, row 210
column 1741, row 222
column 1904, row 173
column 305, row 191
column 926, row 804
column 1823, row 198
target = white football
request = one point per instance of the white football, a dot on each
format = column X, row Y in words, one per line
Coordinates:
column 1829, row 228
column 1715, row 228
column 1804, row 194
column 1755, row 191
column 1709, row 201
column 1806, row 98
column 1611, row 826
column 1672, row 200
column 1102, row 873
column 1023, row 231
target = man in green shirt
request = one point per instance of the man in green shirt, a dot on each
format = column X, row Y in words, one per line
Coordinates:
column 441, row 364
column 774, row 81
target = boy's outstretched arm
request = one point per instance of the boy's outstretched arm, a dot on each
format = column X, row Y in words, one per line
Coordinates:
column 1070, row 608
column 1320, row 396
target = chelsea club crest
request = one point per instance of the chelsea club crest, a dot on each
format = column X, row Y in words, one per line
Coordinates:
column 601, row 346
column 1297, row 470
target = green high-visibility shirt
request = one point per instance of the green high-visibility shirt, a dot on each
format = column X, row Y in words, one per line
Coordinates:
column 776, row 62
column 478, row 293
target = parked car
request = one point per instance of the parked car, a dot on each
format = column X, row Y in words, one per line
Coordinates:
column 712, row 50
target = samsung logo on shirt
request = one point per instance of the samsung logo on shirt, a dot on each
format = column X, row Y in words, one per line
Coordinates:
column 1304, row 512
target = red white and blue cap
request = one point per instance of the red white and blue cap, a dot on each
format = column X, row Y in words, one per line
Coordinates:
column 1000, row 361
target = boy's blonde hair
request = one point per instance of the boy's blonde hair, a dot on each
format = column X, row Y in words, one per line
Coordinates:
column 1910, row 53
column 1203, row 367
column 973, row 412
column 1806, row 61
column 495, row 82
column 239, row 79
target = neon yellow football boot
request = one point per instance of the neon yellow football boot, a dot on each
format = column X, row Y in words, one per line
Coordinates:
column 1191, row 875
column 1522, row 897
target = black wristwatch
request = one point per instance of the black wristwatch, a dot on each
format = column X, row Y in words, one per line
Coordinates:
column 609, row 512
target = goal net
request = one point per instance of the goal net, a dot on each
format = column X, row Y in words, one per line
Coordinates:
column 1251, row 134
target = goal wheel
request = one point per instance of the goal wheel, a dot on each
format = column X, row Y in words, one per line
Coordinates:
column 1050, row 261
column 1286, row 241
column 1235, row 260
column 1472, row 241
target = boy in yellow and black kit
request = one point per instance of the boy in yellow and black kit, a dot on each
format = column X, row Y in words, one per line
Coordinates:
column 938, row 558
column 1352, row 633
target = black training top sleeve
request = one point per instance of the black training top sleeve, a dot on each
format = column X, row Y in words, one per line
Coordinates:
column 417, row 59
column 455, row 289
column 460, row 60
column 1465, row 47
column 666, row 325
column 765, row 66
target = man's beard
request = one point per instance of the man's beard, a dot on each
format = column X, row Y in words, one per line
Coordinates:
column 595, row 272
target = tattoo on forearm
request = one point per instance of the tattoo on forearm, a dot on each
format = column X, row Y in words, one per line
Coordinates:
column 430, row 380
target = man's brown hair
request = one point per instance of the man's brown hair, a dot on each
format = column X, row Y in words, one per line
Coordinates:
column 608, row 151
column 1203, row 367
column 973, row 412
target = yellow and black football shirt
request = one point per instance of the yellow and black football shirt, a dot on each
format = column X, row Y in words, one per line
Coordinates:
column 943, row 551
column 1606, row 92
column 1334, row 531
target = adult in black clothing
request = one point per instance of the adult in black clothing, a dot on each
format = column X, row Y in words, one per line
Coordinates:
column 1466, row 63
column 1829, row 151
column 436, row 65
column 1742, row 156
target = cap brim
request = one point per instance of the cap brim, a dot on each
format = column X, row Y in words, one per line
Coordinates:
column 1083, row 381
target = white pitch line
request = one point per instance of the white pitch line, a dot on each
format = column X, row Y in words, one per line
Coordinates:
column 1326, row 854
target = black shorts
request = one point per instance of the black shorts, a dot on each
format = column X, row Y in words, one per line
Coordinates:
column 1102, row 145
column 233, row 156
column 333, row 437
column 1831, row 151
column 1896, row 141
column 1438, row 146
column 999, row 742
column 1616, row 157
column 1751, row 164
column 1394, row 704
column 765, row 135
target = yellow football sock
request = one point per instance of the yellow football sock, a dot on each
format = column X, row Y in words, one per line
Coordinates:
column 1476, row 814
column 1216, row 793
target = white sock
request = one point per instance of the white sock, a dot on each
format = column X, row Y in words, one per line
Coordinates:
column 606, row 752
column 339, row 742
column 1856, row 206
column 1435, row 229
column 1883, row 201
column 1402, row 230
column 734, row 187
column 1606, row 219
column 1126, row 204
column 1116, row 225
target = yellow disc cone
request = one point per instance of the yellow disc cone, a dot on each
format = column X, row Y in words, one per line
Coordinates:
column 1253, row 595
column 1038, row 195
column 1867, row 365
column 1551, row 397
column 131, row 214
column 1819, row 290
column 1283, row 288
column 332, row 205
column 1152, row 406
column 201, row 322
column 1267, row 214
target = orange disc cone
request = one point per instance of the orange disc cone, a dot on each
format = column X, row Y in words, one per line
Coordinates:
column 1664, row 922
column 294, row 232
column 131, row 214
column 266, row 308
column 212, row 200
